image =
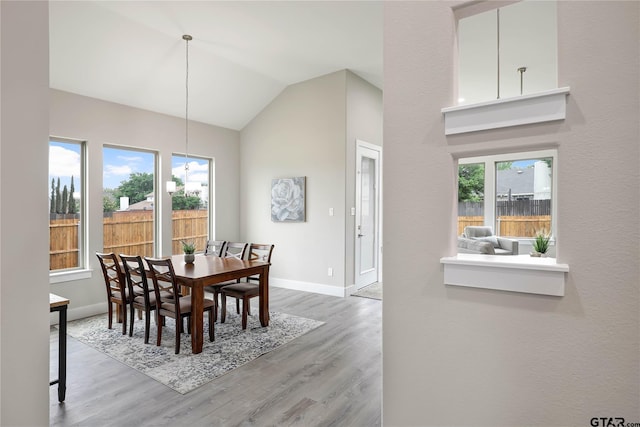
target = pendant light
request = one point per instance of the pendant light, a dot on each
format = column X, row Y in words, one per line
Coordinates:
column 190, row 188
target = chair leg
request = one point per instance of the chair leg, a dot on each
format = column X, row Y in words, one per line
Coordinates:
column 160, row 323
column 132, row 315
column 211, row 321
column 249, row 306
column 215, row 306
column 147, row 324
column 237, row 305
column 124, row 319
column 216, row 292
column 245, row 300
column 110, row 315
column 178, row 336
column 223, row 308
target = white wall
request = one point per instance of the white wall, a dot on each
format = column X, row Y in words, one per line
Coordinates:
column 462, row 356
column 301, row 133
column 24, row 264
column 99, row 122
column 309, row 130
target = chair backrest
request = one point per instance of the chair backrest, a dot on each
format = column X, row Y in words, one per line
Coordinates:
column 136, row 276
column 113, row 275
column 235, row 250
column 259, row 252
column 472, row 231
column 165, row 284
column 215, row 247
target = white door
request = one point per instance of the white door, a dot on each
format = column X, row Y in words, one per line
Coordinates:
column 367, row 214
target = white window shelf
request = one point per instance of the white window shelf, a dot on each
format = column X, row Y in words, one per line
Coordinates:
column 520, row 273
column 519, row 110
column 69, row 275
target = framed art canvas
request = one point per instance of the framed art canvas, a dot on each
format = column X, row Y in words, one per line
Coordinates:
column 288, row 199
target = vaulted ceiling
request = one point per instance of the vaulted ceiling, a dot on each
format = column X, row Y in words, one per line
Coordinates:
column 243, row 54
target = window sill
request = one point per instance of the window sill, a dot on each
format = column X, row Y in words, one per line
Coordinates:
column 520, row 273
column 68, row 276
column 519, row 110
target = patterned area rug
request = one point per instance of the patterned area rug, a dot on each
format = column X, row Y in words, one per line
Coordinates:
column 373, row 291
column 184, row 372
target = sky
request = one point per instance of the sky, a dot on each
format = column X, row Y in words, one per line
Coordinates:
column 523, row 164
column 64, row 162
column 118, row 165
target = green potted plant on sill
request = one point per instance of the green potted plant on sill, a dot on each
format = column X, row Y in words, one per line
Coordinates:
column 189, row 249
column 541, row 244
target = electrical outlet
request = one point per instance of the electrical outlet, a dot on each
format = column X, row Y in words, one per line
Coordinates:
column 353, row 211
column 330, row 272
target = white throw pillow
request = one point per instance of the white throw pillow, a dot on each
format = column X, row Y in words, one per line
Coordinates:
column 491, row 239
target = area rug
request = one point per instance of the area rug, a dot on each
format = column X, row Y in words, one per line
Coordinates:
column 233, row 347
column 373, row 291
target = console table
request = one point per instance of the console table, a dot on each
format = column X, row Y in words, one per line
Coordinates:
column 59, row 304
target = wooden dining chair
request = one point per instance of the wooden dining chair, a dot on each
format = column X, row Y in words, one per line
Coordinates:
column 235, row 250
column 117, row 292
column 177, row 307
column 215, row 247
column 144, row 298
column 231, row 250
column 248, row 289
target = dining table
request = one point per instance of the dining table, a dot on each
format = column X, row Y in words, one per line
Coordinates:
column 210, row 269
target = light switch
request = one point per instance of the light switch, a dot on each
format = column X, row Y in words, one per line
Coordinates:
column 330, row 211
column 353, row 211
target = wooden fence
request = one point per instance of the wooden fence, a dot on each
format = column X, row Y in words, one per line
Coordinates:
column 508, row 208
column 63, row 242
column 511, row 226
column 129, row 232
column 189, row 225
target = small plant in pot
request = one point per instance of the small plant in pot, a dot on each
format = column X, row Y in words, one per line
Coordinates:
column 541, row 244
column 188, row 248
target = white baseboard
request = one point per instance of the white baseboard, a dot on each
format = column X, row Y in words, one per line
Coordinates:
column 317, row 288
column 80, row 312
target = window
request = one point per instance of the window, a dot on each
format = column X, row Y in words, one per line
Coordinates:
column 190, row 212
column 507, row 52
column 66, row 205
column 129, row 201
column 470, row 195
column 519, row 200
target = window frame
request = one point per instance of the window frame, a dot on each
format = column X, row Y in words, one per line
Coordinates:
column 82, row 270
column 490, row 162
column 156, row 183
column 210, row 193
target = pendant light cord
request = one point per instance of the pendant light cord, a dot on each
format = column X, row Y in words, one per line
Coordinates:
column 186, row 38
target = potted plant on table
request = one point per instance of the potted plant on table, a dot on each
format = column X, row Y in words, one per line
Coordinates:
column 189, row 249
column 541, row 244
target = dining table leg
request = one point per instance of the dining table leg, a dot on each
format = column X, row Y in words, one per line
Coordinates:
column 197, row 321
column 264, row 296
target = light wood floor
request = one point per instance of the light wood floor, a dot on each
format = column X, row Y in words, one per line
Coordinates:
column 331, row 376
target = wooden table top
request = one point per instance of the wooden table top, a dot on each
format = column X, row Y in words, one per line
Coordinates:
column 211, row 266
column 57, row 301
